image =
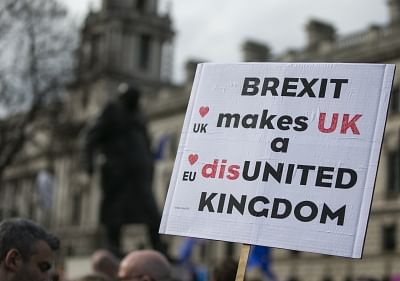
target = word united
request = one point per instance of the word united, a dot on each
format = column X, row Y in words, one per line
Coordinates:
column 301, row 174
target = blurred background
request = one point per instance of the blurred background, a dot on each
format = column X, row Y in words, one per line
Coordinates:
column 61, row 62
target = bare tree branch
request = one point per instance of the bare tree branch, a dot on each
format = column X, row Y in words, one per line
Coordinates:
column 36, row 64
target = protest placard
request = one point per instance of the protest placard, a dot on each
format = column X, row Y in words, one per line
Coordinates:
column 280, row 154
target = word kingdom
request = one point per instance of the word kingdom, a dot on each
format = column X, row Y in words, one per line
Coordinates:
column 304, row 211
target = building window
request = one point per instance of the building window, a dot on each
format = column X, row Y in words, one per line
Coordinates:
column 76, row 209
column 84, row 99
column 394, row 105
column 393, row 182
column 389, row 238
column 230, row 249
column 95, row 51
column 14, row 193
column 144, row 51
column 174, row 143
column 141, row 5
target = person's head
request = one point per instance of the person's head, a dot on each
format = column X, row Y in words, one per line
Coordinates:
column 144, row 265
column 225, row 270
column 130, row 95
column 105, row 262
column 26, row 251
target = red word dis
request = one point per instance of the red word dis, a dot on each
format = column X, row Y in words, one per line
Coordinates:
column 220, row 170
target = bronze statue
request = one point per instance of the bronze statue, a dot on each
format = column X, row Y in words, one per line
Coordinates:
column 120, row 135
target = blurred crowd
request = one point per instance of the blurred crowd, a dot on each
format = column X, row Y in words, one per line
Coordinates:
column 28, row 253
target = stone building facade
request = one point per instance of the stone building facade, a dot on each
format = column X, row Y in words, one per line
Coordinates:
column 381, row 258
column 125, row 41
column 129, row 40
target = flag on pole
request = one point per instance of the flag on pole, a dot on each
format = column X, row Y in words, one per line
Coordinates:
column 260, row 257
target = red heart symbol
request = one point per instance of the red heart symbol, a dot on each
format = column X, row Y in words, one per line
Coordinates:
column 204, row 110
column 193, row 158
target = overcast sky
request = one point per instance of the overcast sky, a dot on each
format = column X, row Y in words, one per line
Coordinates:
column 214, row 30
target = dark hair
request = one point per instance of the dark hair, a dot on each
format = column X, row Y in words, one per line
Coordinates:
column 23, row 234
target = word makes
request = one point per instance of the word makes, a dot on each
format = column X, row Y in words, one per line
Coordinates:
column 304, row 211
column 321, row 176
column 292, row 87
column 269, row 121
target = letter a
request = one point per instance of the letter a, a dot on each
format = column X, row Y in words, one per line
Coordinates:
column 280, row 144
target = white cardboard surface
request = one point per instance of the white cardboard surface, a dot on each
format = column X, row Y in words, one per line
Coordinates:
column 320, row 199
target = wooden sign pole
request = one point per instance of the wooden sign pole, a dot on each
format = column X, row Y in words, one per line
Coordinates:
column 244, row 255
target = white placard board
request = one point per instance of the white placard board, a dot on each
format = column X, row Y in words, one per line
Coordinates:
column 280, row 154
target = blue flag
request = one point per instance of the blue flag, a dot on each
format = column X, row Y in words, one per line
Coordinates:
column 161, row 147
column 186, row 249
column 260, row 257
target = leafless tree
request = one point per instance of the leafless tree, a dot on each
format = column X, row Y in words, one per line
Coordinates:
column 37, row 43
